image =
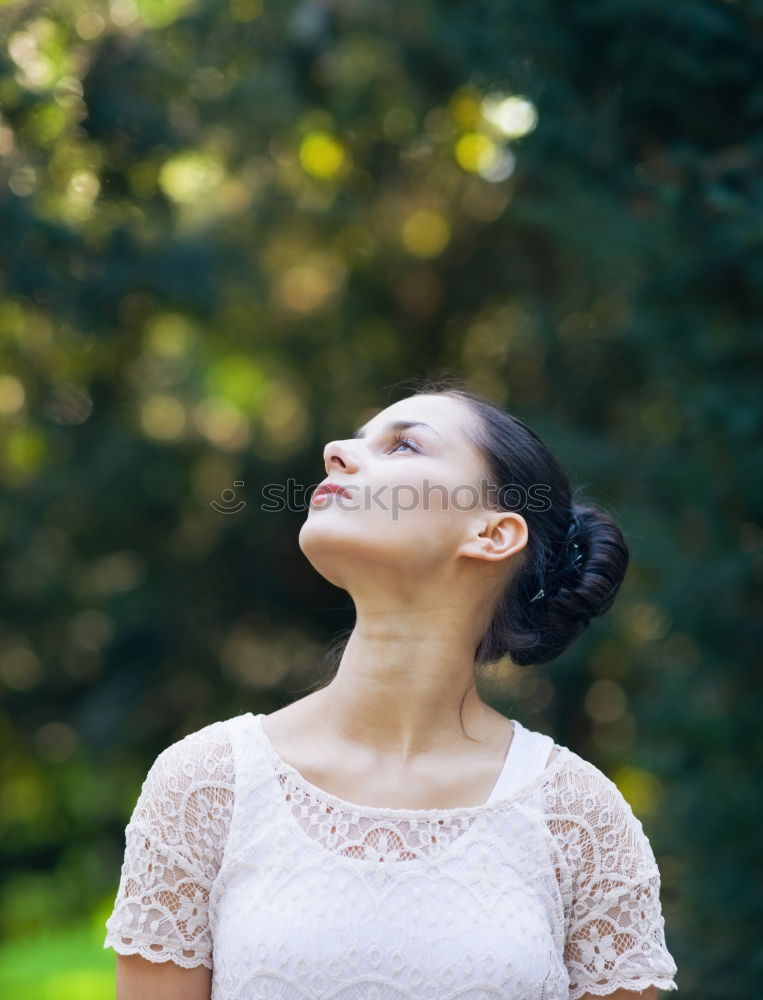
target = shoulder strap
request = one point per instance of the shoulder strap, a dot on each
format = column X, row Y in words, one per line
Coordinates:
column 528, row 754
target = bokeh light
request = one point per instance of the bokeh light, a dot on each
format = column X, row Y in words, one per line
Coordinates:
column 322, row 155
column 475, row 152
column 513, row 117
column 426, row 233
column 12, row 395
column 162, row 417
column 190, row 176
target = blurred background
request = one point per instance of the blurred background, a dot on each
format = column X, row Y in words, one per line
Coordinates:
column 228, row 231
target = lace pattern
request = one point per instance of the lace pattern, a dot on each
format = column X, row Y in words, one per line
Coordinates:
column 174, row 843
column 615, row 936
column 232, row 863
column 355, row 834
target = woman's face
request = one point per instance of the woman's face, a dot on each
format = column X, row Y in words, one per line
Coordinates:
column 415, row 493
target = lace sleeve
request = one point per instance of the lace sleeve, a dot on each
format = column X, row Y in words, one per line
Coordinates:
column 615, row 930
column 174, row 846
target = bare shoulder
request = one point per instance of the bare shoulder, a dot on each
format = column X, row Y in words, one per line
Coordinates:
column 287, row 723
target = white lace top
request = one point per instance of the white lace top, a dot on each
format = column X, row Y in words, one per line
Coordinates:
column 234, row 861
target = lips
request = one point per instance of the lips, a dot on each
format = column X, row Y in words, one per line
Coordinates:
column 330, row 487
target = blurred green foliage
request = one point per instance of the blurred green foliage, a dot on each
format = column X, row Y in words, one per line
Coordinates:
column 65, row 964
column 225, row 231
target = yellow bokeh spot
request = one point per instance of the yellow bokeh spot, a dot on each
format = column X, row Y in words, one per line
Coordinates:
column 475, row 152
column 238, row 380
column 89, row 25
column 12, row 395
column 464, row 107
column 426, row 233
column 81, row 192
column 640, row 789
column 20, row 668
column 285, row 422
column 36, row 70
column 312, row 283
column 190, row 176
column 84, row 184
column 605, row 700
column 169, row 335
column 222, row 423
column 25, row 449
column 321, row 155
column 645, row 621
column 123, row 12
column 162, row 417
column 160, row 13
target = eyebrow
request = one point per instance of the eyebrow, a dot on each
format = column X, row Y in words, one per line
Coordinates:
column 399, row 425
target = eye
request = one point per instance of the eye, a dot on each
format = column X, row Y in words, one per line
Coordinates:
column 399, row 440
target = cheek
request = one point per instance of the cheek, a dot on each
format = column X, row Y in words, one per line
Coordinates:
column 437, row 495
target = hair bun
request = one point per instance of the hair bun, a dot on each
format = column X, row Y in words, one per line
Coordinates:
column 575, row 546
column 581, row 585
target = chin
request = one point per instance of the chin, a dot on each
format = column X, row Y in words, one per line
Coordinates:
column 321, row 548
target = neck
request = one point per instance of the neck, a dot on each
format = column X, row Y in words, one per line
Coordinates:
column 398, row 692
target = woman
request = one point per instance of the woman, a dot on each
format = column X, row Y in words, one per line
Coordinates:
column 390, row 835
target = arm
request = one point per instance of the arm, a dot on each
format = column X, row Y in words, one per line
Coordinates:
column 140, row 979
column 175, row 841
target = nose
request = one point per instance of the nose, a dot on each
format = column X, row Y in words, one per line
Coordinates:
column 338, row 453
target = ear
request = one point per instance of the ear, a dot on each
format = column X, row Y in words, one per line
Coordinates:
column 496, row 536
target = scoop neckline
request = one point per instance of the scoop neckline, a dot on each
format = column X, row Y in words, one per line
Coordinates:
column 493, row 802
